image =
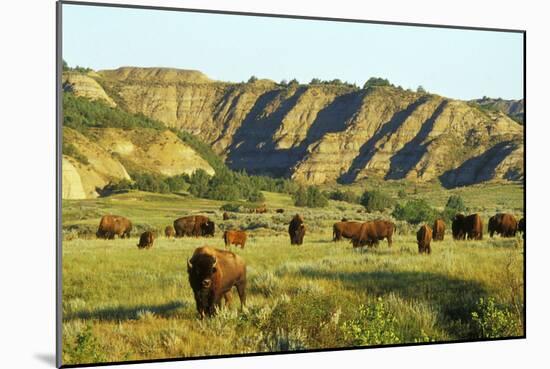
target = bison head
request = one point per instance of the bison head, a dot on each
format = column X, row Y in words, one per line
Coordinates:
column 202, row 272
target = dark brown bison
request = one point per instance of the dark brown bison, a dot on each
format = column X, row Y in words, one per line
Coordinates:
column 344, row 229
column 225, row 216
column 169, row 231
column 194, row 226
column 237, row 238
column 113, row 225
column 521, row 226
column 146, row 240
column 503, row 224
column 439, row 230
column 280, row 211
column 458, row 227
column 212, row 275
column 372, row 232
column 423, row 238
column 296, row 230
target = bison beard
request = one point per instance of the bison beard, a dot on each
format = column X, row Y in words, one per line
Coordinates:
column 212, row 275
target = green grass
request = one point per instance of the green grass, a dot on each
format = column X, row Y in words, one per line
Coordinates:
column 121, row 303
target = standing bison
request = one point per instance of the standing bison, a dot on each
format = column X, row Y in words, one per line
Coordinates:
column 458, row 227
column 114, row 225
column 194, row 226
column 212, row 275
column 372, row 232
column 521, row 226
column 345, row 229
column 424, row 238
column 169, row 232
column 470, row 226
column 237, row 238
column 505, row 225
column 439, row 230
column 225, row 216
column 296, row 230
column 146, row 240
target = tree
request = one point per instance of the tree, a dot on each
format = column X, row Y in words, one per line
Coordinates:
column 315, row 81
column 415, row 212
column 375, row 201
column 376, row 81
column 310, row 197
column 252, row 79
column 455, row 204
column 65, row 65
column 420, row 90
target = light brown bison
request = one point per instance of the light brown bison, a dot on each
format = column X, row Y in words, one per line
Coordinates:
column 114, row 225
column 345, row 229
column 225, row 216
column 423, row 238
column 237, row 238
column 521, row 227
column 262, row 209
column 372, row 232
column 169, row 231
column 503, row 224
column 458, row 227
column 439, row 230
column 473, row 227
column 212, row 275
column 296, row 230
column 146, row 240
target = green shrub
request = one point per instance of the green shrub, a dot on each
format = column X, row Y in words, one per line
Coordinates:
column 374, row 81
column 70, row 150
column 414, row 212
column 455, row 204
column 374, row 325
column 85, row 348
column 493, row 321
column 347, row 196
column 401, row 194
column 310, row 197
column 234, row 207
column 376, row 201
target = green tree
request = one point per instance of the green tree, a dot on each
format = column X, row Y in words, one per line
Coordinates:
column 376, row 201
column 376, row 81
column 415, row 212
column 252, row 79
column 420, row 90
column 198, row 183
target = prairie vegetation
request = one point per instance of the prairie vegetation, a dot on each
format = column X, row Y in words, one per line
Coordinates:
column 121, row 303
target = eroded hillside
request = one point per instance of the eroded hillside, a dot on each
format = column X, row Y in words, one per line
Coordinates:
column 320, row 133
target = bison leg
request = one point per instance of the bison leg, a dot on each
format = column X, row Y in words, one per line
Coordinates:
column 241, row 289
column 389, row 241
column 227, row 298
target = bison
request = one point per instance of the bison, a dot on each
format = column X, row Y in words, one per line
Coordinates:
column 237, row 238
column 169, row 231
column 439, row 230
column 504, row 224
column 296, row 230
column 458, row 227
column 112, row 225
column 344, row 229
column 423, row 238
column 473, row 227
column 212, row 275
column 146, row 240
column 194, row 226
column 280, row 211
column 372, row 232
column 225, row 216
column 260, row 210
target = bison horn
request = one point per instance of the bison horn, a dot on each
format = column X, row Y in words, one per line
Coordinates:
column 215, row 263
column 189, row 265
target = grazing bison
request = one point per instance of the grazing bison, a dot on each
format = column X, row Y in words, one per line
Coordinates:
column 146, row 240
column 112, row 225
column 225, row 216
column 344, row 229
column 521, row 226
column 280, row 211
column 503, row 224
column 169, row 231
column 439, row 230
column 297, row 230
column 423, row 238
column 372, row 232
column 237, row 238
column 458, row 227
column 212, row 275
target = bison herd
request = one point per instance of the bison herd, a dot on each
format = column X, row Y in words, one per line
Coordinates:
column 214, row 272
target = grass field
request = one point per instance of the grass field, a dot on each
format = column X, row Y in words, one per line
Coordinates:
column 121, row 303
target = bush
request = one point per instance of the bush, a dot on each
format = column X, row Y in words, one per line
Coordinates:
column 234, row 207
column 347, row 196
column 414, row 212
column 310, row 197
column 70, row 150
column 373, row 326
column 455, row 204
column 401, row 194
column 492, row 321
column 374, row 81
column 376, row 201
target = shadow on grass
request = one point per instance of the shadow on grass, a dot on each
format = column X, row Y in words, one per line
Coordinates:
column 127, row 313
column 454, row 298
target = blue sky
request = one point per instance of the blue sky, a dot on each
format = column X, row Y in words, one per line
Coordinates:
column 455, row 63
